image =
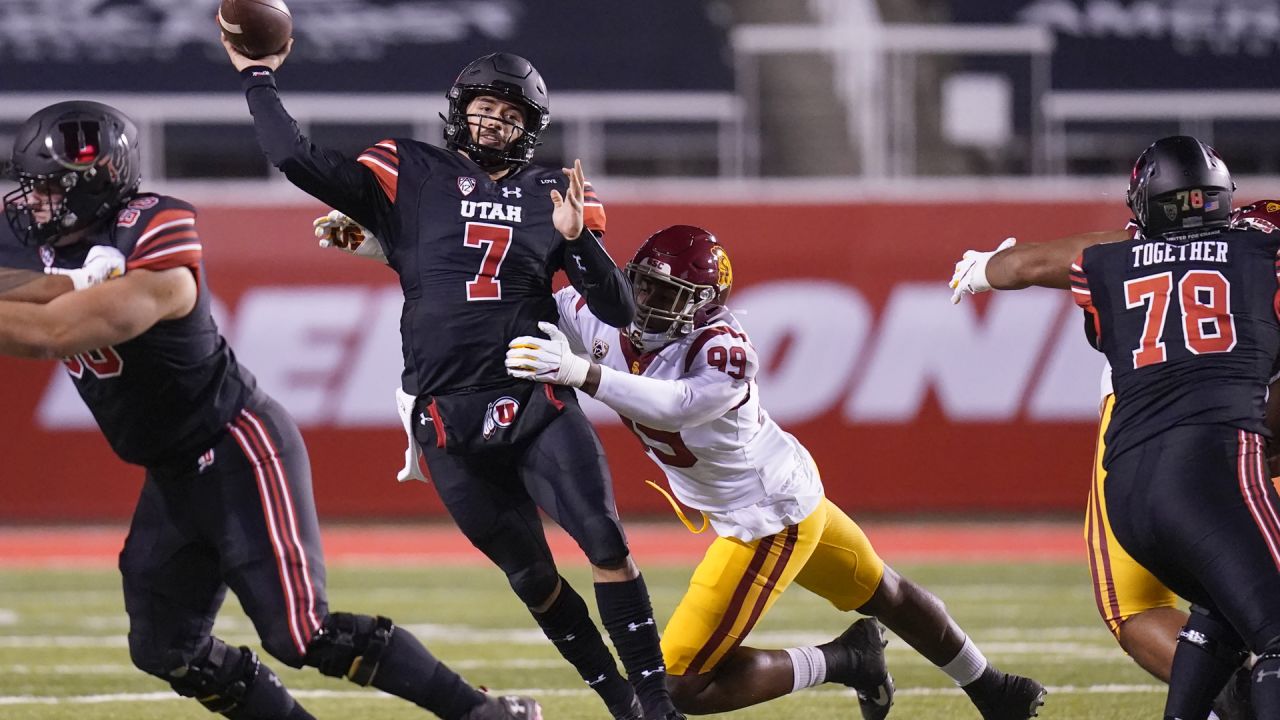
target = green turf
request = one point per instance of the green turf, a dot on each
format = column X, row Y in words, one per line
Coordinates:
column 62, row 641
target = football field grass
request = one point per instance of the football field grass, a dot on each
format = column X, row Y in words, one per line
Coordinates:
column 63, row 652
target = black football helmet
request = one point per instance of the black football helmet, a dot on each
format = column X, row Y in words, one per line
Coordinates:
column 78, row 162
column 1179, row 184
column 507, row 77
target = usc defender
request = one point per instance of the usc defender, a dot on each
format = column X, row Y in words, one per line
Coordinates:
column 683, row 377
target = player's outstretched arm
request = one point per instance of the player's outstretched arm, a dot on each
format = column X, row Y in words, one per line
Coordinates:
column 33, row 287
column 103, row 263
column 327, row 175
column 1014, row 267
column 104, row 315
column 657, row 403
column 1044, row 264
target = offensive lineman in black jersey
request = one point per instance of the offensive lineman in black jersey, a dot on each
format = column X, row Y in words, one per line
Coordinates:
column 1187, row 316
column 227, row 499
column 476, row 234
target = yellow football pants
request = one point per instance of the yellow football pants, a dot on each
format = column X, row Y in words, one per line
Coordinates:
column 737, row 582
column 1121, row 586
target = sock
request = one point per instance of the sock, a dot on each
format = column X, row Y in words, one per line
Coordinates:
column 808, row 665
column 408, row 670
column 267, row 697
column 1208, row 653
column 967, row 666
column 1266, row 686
column 567, row 623
column 627, row 614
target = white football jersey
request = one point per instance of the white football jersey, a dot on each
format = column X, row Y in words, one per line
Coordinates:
column 695, row 406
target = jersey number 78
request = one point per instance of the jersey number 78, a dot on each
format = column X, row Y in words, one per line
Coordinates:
column 1204, row 298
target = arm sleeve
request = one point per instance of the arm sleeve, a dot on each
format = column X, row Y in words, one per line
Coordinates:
column 595, row 276
column 569, row 303
column 706, row 390
column 338, row 181
column 670, row 405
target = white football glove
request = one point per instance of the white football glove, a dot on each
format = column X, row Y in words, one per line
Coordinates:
column 970, row 275
column 102, row 263
column 336, row 230
column 548, row 360
column 411, row 470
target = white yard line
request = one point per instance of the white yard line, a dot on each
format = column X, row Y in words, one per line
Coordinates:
column 536, row 692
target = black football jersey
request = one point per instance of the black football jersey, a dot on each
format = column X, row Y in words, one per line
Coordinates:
column 1189, row 325
column 475, row 258
column 166, row 395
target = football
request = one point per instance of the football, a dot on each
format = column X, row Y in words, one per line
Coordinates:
column 256, row 27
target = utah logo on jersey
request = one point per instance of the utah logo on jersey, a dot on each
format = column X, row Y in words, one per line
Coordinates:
column 501, row 414
column 466, row 185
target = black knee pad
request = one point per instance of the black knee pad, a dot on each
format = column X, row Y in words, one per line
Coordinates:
column 535, row 583
column 1211, row 634
column 604, row 544
column 350, row 646
column 218, row 677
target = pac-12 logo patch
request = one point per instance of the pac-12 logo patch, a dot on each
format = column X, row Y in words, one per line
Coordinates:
column 46, row 255
column 599, row 348
column 501, row 414
column 466, row 185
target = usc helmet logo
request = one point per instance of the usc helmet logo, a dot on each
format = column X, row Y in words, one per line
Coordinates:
column 725, row 277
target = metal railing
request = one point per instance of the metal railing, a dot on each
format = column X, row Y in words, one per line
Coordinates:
column 582, row 116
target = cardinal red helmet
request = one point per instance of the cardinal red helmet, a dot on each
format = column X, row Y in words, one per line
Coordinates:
column 681, row 277
column 1263, row 215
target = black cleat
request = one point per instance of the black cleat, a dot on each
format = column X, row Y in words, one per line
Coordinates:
column 870, row 678
column 1234, row 702
column 506, row 707
column 1001, row 696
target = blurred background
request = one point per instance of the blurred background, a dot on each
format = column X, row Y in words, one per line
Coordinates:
column 845, row 151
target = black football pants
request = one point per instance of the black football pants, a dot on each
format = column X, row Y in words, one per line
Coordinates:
column 241, row 516
column 1196, row 506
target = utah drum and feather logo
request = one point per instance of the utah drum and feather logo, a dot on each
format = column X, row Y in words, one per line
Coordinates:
column 501, row 414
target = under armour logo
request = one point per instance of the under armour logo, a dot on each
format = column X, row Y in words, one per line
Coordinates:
column 511, row 192
column 514, row 706
column 882, row 696
column 655, row 671
column 636, row 626
column 578, row 261
column 205, row 461
column 423, row 419
column 1262, row 674
column 597, row 681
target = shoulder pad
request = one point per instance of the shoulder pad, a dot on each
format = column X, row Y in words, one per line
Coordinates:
column 721, row 347
column 157, row 232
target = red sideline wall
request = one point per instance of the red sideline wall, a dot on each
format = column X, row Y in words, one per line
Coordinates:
column 907, row 402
